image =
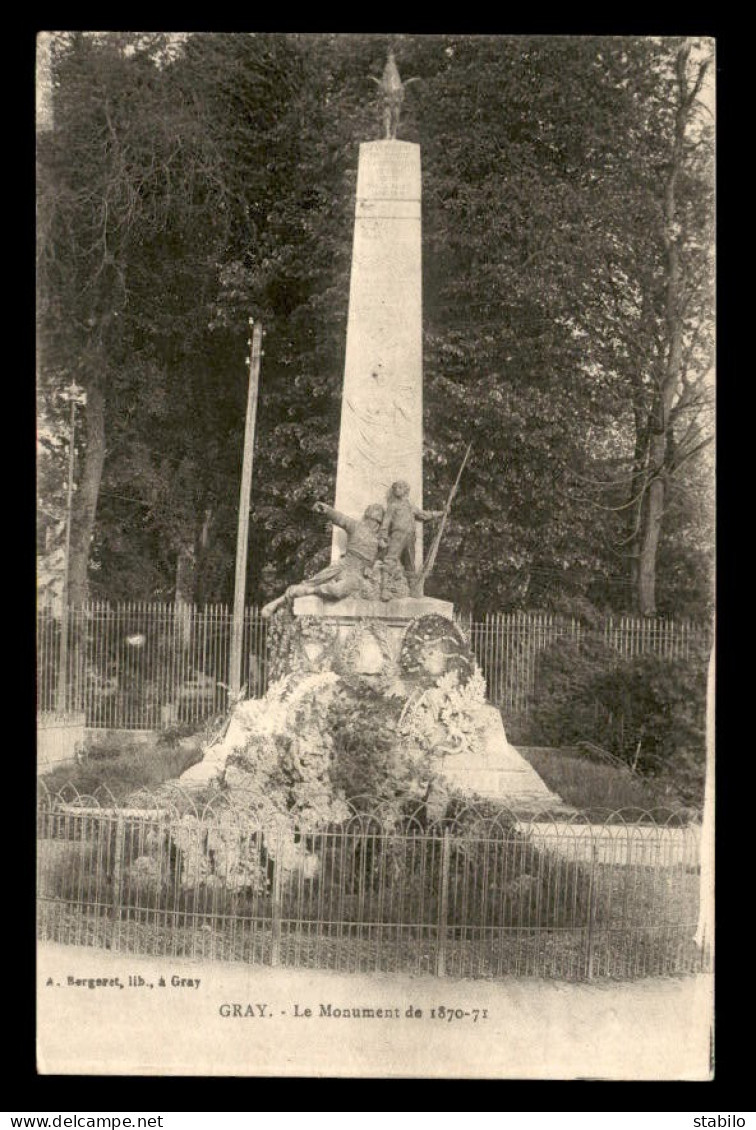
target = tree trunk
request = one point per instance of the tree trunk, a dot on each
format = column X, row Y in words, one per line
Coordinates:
column 653, row 507
column 667, row 386
column 200, row 566
column 636, row 496
column 185, row 575
column 85, row 499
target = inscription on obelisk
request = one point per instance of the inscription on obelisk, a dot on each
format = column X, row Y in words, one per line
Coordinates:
column 381, row 436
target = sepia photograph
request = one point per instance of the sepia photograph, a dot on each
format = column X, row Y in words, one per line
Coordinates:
column 375, row 555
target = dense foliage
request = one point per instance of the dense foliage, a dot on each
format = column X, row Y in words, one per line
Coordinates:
column 647, row 711
column 189, row 184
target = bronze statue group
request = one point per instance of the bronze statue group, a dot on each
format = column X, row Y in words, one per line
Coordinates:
column 379, row 562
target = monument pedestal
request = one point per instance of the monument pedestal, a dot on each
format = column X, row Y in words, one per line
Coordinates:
column 497, row 771
column 363, row 628
column 390, row 617
column 403, row 610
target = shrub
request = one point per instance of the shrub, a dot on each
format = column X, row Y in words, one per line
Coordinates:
column 648, row 711
column 496, row 876
column 368, row 756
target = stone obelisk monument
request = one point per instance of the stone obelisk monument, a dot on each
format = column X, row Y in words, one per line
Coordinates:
column 352, row 618
column 381, row 434
column 381, row 437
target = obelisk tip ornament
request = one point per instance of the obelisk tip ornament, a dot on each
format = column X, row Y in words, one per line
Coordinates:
column 392, row 89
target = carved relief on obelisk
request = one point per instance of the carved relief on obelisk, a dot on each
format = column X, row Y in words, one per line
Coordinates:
column 381, row 438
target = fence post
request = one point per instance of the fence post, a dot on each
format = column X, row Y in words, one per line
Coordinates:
column 275, row 948
column 591, row 914
column 117, row 875
column 443, row 905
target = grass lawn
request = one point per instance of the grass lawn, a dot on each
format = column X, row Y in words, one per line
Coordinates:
column 598, row 789
column 123, row 766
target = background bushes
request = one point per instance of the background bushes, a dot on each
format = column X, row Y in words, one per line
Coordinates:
column 647, row 711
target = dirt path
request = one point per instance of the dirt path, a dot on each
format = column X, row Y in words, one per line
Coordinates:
column 527, row 1029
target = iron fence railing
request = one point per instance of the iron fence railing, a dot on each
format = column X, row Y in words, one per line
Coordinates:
column 144, row 666
column 151, row 666
column 507, row 646
column 474, row 894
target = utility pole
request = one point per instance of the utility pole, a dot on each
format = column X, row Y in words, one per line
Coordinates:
column 76, row 396
column 242, row 538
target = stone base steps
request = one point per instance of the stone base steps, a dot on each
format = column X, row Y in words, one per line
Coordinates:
column 499, row 772
column 516, row 791
column 502, row 785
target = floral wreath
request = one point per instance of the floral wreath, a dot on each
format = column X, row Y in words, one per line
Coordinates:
column 350, row 648
column 288, row 636
column 435, row 630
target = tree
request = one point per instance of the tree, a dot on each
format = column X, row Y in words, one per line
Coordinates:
column 94, row 205
column 137, row 211
column 674, row 431
column 220, row 184
column 519, row 130
column 651, row 322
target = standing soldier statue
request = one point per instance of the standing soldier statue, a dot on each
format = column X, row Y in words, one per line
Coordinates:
column 396, row 537
column 392, row 89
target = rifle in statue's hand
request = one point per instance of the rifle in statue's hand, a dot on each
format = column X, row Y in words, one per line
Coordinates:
column 430, row 561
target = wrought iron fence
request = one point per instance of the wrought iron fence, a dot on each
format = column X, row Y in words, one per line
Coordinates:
column 151, row 666
column 144, row 666
column 507, row 645
column 476, row 893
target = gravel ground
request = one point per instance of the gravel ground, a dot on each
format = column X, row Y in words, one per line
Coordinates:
column 519, row 1028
